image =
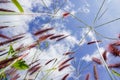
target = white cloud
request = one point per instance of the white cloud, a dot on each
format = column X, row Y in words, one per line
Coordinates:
column 84, row 9
column 55, row 50
column 96, row 54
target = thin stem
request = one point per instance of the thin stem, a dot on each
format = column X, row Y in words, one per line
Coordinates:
column 54, row 66
column 85, row 67
column 7, row 45
column 79, row 19
column 50, row 72
column 102, row 14
column 17, row 13
column 30, row 63
column 45, row 74
column 81, row 40
column 81, row 27
column 107, row 22
column 6, row 68
column 45, row 4
column 32, row 60
column 79, row 66
column 105, row 36
column 103, row 59
column 11, row 22
column 37, row 57
column 60, row 7
column 84, row 36
column 99, row 11
column 54, row 6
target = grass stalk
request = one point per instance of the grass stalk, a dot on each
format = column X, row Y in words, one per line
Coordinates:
column 103, row 59
column 102, row 14
column 107, row 22
column 99, row 11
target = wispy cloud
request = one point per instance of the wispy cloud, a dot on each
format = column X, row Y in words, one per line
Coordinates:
column 95, row 54
column 55, row 49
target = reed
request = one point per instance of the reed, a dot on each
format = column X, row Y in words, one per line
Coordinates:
column 87, row 77
column 65, row 77
column 95, row 73
column 98, row 61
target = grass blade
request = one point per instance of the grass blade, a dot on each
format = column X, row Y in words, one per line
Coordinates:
column 61, row 38
column 2, row 27
column 56, row 36
column 17, row 4
column 65, row 77
column 116, row 65
column 105, row 55
column 64, row 62
column 87, row 77
column 95, row 73
column 65, row 14
column 116, row 73
column 91, row 42
column 6, row 10
column 49, row 61
column 4, row 36
column 10, row 40
column 63, row 67
column 68, row 53
column 44, row 37
column 41, row 31
column 98, row 61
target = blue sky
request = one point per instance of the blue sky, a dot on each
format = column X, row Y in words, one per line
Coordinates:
column 85, row 10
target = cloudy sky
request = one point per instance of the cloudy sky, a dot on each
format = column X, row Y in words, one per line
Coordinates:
column 88, row 20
